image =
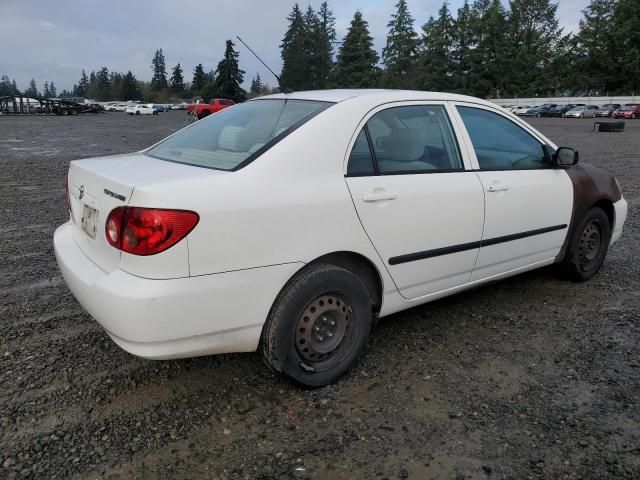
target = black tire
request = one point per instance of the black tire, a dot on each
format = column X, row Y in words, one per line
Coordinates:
column 204, row 113
column 137, row 113
column 588, row 246
column 318, row 326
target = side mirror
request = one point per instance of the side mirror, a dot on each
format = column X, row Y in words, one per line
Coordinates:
column 565, row 157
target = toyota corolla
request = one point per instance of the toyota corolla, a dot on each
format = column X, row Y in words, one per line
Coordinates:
column 290, row 223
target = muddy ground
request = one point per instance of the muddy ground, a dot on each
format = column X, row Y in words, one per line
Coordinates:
column 529, row 378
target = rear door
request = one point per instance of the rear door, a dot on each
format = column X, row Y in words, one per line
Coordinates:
column 421, row 208
column 528, row 204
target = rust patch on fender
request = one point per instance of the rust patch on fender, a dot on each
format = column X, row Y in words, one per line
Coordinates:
column 590, row 186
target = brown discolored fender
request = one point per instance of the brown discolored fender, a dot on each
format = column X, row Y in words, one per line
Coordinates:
column 591, row 186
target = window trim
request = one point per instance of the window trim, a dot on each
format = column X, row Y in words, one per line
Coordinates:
column 363, row 125
column 545, row 144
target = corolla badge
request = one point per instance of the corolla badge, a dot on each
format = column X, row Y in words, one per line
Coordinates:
column 81, row 192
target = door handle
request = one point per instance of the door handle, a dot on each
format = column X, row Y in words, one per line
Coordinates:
column 497, row 188
column 378, row 197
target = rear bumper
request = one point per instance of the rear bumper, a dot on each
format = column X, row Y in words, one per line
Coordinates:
column 621, row 208
column 183, row 317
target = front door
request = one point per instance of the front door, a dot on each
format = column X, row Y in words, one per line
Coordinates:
column 422, row 211
column 528, row 203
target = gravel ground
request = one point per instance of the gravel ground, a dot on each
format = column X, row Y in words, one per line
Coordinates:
column 529, row 378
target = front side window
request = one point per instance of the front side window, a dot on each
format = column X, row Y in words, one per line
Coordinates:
column 234, row 136
column 501, row 144
column 414, row 139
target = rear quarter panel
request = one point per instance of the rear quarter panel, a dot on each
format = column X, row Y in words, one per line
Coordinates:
column 290, row 205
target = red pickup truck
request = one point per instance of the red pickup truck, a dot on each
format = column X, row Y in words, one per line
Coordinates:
column 205, row 109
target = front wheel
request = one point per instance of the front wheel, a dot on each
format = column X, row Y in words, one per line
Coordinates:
column 588, row 246
column 318, row 326
column 137, row 113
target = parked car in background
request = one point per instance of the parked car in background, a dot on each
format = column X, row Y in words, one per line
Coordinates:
column 540, row 111
column 109, row 107
column 179, row 106
column 290, row 223
column 205, row 109
column 141, row 110
column 158, row 107
column 630, row 110
column 521, row 110
column 607, row 109
column 120, row 107
column 582, row 111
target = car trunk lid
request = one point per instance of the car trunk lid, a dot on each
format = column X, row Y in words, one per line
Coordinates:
column 98, row 185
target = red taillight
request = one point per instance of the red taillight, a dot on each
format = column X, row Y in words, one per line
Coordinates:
column 147, row 231
column 66, row 193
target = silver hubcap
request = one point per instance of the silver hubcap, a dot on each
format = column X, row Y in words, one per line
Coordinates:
column 322, row 327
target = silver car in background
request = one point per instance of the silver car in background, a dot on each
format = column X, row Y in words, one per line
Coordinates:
column 582, row 111
column 607, row 110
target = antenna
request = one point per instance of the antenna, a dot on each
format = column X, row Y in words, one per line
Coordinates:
column 283, row 88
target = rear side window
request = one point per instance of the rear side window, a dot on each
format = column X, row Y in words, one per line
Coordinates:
column 501, row 144
column 411, row 139
column 235, row 136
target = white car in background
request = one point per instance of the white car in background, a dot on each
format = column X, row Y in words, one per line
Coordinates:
column 141, row 110
column 292, row 222
column 521, row 110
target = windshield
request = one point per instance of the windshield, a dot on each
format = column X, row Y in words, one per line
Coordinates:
column 233, row 137
column 578, row 109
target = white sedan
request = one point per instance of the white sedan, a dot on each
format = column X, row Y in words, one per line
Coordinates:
column 292, row 222
column 521, row 110
column 141, row 110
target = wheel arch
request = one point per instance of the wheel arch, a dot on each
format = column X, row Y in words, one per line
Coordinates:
column 607, row 205
column 356, row 263
column 361, row 266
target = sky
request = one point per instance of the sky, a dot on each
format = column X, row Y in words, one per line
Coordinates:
column 55, row 40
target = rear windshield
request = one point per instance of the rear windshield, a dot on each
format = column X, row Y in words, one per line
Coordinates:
column 233, row 137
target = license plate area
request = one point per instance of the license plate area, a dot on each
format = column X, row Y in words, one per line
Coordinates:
column 89, row 220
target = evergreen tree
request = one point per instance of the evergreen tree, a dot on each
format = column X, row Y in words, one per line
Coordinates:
column 532, row 37
column 436, row 64
column 464, row 41
column 487, row 75
column 399, row 54
column 229, row 77
column 45, row 91
column 102, row 90
column 294, row 62
column 129, row 89
column 596, row 67
column 159, row 79
column 326, row 35
column 357, row 59
column 32, row 91
column 83, row 85
column 5, row 86
column 199, row 78
column 14, row 88
column 177, row 80
column 52, row 90
column 256, row 85
column 626, row 43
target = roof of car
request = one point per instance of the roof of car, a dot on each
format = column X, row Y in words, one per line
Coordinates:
column 340, row 95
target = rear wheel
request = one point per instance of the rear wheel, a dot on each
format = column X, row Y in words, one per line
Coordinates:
column 318, row 326
column 588, row 246
column 137, row 113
